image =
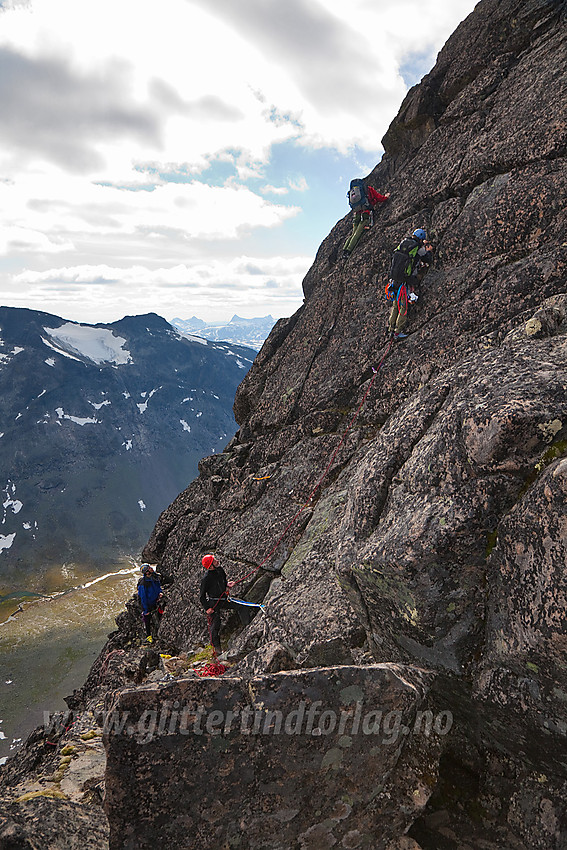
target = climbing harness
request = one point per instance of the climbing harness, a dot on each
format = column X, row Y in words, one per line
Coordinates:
column 206, row 671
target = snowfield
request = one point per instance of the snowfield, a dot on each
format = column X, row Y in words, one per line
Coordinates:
column 99, row 345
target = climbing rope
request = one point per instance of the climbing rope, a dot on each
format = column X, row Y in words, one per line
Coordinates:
column 214, row 668
column 402, row 300
column 108, row 656
column 296, row 516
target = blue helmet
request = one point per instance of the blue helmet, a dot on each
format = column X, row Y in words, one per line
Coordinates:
column 420, row 234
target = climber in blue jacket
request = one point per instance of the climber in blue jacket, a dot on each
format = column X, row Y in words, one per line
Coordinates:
column 150, row 595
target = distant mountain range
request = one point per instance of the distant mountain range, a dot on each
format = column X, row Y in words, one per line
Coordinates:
column 250, row 332
column 101, row 426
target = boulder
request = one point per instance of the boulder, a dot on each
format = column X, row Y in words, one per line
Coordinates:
column 341, row 756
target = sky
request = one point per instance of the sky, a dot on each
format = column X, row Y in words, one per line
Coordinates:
column 188, row 157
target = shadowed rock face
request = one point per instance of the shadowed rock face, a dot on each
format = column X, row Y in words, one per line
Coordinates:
column 269, row 764
column 437, row 536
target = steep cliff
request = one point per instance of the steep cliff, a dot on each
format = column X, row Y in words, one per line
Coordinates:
column 406, row 530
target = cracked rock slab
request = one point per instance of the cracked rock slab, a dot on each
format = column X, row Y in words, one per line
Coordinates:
column 311, row 758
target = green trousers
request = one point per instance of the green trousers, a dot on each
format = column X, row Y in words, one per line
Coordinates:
column 360, row 223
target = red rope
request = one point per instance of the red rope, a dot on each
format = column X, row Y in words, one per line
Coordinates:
column 403, row 300
column 213, row 668
column 324, row 475
column 109, row 655
column 217, row 669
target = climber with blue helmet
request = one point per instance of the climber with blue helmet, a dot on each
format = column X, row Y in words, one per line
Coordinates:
column 412, row 253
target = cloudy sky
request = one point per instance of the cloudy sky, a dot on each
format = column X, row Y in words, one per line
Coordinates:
column 188, row 157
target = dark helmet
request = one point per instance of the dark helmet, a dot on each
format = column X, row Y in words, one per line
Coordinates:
column 420, row 234
column 146, row 569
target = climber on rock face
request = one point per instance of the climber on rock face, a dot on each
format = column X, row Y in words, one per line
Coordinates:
column 362, row 200
column 213, row 597
column 151, row 597
column 413, row 253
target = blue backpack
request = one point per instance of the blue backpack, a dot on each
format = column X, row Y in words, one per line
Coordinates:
column 357, row 197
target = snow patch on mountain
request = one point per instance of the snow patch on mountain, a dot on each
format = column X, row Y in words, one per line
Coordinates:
column 59, row 351
column 6, row 540
column 99, row 345
column 192, row 338
column 14, row 504
column 144, row 406
column 10, row 502
column 78, row 420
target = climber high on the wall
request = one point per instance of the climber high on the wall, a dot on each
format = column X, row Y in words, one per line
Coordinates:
column 362, row 199
column 413, row 253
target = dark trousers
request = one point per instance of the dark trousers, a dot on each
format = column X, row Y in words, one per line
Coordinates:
column 244, row 615
column 147, row 618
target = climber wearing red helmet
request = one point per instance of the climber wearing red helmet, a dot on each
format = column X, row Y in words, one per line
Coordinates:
column 213, row 596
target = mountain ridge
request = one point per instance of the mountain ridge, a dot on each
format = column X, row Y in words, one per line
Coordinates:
column 241, row 331
column 86, row 410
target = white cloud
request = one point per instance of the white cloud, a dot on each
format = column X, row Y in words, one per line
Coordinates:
column 137, row 144
column 19, row 239
column 215, row 287
column 88, row 84
column 74, row 208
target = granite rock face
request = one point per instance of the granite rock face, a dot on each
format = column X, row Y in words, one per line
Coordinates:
column 417, row 516
column 301, row 758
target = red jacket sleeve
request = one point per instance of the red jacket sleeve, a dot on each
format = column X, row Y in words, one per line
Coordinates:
column 375, row 197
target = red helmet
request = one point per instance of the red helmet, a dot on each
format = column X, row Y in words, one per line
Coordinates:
column 208, row 561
